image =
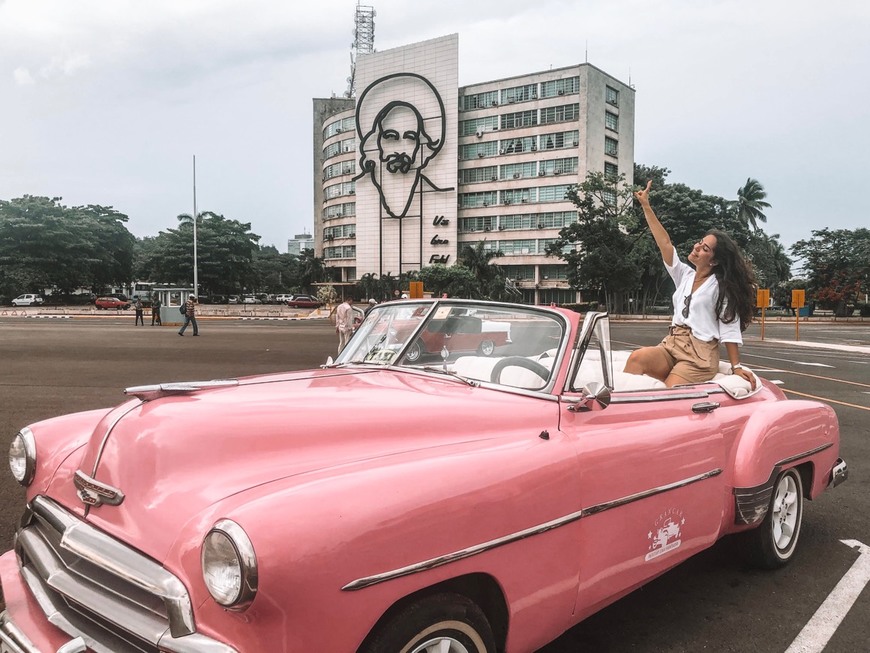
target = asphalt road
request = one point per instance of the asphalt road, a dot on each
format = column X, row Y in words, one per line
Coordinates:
column 711, row 603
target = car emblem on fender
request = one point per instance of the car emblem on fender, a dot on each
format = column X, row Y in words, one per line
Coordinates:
column 93, row 493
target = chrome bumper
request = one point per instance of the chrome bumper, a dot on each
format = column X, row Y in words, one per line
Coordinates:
column 839, row 473
column 12, row 639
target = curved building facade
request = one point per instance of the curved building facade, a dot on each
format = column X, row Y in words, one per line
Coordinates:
column 416, row 167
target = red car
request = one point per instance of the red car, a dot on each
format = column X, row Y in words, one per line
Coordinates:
column 471, row 504
column 105, row 303
column 304, row 301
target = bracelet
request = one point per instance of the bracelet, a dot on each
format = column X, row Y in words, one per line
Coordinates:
column 738, row 366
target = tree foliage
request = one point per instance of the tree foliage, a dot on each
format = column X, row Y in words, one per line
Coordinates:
column 836, row 263
column 44, row 244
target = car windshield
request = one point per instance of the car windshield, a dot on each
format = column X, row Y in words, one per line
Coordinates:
column 506, row 344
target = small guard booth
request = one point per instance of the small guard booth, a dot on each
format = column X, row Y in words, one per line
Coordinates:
column 170, row 301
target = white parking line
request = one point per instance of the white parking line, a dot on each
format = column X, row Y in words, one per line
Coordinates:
column 789, row 360
column 824, row 623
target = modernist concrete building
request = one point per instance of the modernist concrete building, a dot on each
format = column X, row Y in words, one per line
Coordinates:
column 415, row 167
column 300, row 242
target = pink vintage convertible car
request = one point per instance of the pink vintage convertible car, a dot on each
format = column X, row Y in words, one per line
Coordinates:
column 458, row 503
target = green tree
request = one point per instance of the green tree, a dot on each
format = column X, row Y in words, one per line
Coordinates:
column 769, row 258
column 597, row 247
column 750, row 204
column 44, row 244
column 489, row 277
column 836, row 263
column 455, row 280
column 225, row 254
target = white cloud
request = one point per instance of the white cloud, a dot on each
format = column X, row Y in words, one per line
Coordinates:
column 22, row 77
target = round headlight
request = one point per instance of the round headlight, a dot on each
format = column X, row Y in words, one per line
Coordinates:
column 22, row 457
column 229, row 565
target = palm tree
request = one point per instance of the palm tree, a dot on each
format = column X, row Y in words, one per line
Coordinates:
column 750, row 203
column 479, row 261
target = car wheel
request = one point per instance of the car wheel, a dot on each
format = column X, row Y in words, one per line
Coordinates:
column 414, row 353
column 446, row 623
column 773, row 544
column 486, row 348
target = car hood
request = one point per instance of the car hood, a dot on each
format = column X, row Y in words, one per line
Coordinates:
column 175, row 456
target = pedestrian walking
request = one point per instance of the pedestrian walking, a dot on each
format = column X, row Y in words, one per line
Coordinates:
column 344, row 322
column 190, row 308
column 140, row 312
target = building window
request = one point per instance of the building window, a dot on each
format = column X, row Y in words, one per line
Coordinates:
column 611, row 146
column 554, row 272
column 557, row 87
column 477, row 175
column 518, row 170
column 611, row 121
column 478, row 101
column 609, row 197
column 478, row 149
column 339, row 211
column 338, row 169
column 519, row 119
column 552, row 193
column 519, row 94
column 342, row 251
column 515, row 145
column 611, row 96
column 518, row 247
column 562, row 113
column 611, row 170
column 472, row 225
column 518, row 195
column 474, row 200
column 564, row 166
column 559, row 140
column 478, row 126
column 519, row 272
column 340, row 231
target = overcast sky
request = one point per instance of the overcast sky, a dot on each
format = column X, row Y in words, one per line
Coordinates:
column 107, row 101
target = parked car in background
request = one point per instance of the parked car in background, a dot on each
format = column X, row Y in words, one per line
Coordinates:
column 233, row 299
column 28, row 299
column 304, row 301
column 284, row 298
column 108, row 302
column 472, row 503
column 250, row 299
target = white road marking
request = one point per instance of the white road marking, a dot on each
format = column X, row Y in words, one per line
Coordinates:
column 823, row 345
column 824, row 623
column 789, row 360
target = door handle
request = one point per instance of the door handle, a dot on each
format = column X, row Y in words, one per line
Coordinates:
column 705, row 407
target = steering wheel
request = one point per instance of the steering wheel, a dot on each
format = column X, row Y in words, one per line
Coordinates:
column 519, row 361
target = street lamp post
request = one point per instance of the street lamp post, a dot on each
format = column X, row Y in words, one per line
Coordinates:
column 195, row 271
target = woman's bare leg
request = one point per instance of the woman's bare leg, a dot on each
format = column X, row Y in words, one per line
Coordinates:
column 652, row 361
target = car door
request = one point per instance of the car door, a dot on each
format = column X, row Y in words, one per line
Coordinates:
column 651, row 482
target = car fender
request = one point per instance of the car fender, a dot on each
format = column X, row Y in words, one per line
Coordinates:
column 785, row 434
column 315, row 537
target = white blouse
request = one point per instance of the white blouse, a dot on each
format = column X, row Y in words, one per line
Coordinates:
column 702, row 319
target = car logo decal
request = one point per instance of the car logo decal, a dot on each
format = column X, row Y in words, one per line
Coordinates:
column 666, row 533
column 93, row 493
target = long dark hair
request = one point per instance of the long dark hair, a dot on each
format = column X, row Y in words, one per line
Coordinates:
column 736, row 281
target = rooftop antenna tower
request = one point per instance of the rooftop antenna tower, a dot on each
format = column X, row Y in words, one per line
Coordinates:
column 363, row 41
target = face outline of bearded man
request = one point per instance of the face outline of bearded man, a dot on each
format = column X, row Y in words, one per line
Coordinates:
column 397, row 148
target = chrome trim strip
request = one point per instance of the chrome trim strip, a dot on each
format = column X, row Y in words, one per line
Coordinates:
column 12, row 636
column 791, row 459
column 468, row 552
column 151, row 392
column 662, row 395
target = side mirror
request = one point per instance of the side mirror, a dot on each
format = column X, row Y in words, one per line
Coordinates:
column 595, row 396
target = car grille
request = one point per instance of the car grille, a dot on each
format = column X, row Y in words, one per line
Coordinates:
column 94, row 586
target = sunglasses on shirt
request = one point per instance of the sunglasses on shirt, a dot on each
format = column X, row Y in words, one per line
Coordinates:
column 687, row 301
